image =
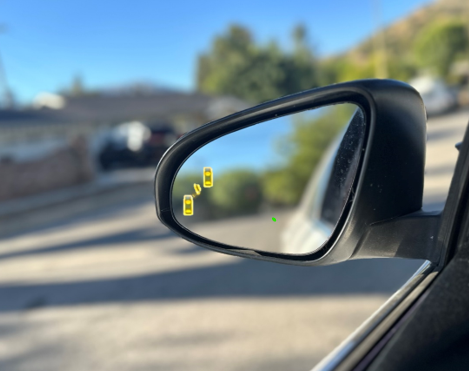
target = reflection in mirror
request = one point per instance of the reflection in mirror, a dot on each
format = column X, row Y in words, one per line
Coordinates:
column 278, row 186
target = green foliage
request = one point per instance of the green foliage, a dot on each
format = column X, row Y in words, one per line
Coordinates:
column 304, row 149
column 237, row 66
column 440, row 44
column 331, row 70
column 345, row 68
column 184, row 183
column 402, row 68
column 236, row 192
column 353, row 71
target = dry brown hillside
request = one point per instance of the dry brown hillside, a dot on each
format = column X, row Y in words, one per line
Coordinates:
column 401, row 34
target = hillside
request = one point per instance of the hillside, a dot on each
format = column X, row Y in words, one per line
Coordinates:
column 401, row 34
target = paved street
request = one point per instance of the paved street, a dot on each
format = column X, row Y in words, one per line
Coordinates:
column 113, row 289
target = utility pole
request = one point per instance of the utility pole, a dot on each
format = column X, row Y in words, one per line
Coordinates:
column 379, row 42
column 7, row 95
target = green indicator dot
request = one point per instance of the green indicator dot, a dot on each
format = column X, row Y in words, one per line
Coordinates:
column 274, row 219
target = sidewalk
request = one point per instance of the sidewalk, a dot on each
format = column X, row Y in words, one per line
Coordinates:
column 37, row 210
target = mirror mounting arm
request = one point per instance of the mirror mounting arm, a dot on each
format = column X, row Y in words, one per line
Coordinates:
column 412, row 236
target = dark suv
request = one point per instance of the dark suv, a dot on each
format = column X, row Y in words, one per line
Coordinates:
column 135, row 144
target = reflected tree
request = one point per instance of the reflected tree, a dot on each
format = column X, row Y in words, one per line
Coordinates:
column 303, row 150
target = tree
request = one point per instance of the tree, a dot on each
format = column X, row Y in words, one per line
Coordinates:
column 237, row 192
column 237, row 66
column 439, row 45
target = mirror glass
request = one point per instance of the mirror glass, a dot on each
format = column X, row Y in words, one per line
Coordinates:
column 278, row 186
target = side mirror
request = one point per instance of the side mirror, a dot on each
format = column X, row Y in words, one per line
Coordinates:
column 308, row 179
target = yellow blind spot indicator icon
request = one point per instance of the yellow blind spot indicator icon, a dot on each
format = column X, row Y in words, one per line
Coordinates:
column 208, row 177
column 188, row 205
column 197, row 189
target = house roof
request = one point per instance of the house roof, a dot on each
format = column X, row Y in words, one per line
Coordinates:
column 112, row 108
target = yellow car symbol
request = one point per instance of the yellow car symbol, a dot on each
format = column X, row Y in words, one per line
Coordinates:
column 188, row 207
column 208, row 177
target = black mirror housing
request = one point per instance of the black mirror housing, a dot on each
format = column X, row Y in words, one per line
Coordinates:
column 388, row 184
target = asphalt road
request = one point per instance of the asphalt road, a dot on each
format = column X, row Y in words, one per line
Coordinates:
column 113, row 289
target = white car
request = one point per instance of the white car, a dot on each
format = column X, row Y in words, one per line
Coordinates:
column 436, row 96
column 306, row 227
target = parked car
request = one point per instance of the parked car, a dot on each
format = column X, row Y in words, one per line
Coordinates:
column 436, row 95
column 307, row 227
column 323, row 197
column 135, row 144
column 375, row 176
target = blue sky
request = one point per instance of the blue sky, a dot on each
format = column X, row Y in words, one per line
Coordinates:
column 111, row 43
